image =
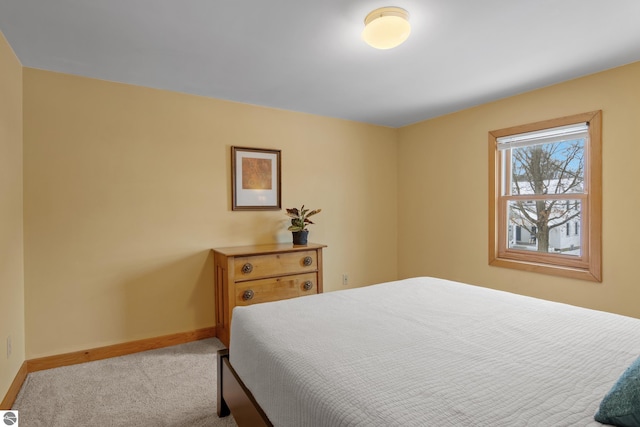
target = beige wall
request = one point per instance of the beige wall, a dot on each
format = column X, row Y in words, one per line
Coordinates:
column 127, row 189
column 443, row 196
column 11, row 240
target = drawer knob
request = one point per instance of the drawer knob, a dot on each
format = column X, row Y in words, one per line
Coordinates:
column 247, row 295
column 247, row 268
column 307, row 261
column 307, row 285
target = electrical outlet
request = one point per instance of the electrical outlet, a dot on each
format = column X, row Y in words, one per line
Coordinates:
column 8, row 346
column 345, row 279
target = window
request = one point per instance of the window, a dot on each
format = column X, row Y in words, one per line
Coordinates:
column 545, row 177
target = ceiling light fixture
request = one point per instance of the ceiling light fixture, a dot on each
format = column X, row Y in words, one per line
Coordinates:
column 386, row 28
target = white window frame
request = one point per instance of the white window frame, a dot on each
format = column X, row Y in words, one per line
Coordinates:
column 588, row 266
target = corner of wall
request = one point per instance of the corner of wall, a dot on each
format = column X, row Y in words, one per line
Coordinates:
column 12, row 315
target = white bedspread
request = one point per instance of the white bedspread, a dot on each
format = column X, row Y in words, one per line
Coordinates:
column 429, row 352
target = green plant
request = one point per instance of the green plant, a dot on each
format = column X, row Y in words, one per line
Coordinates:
column 300, row 218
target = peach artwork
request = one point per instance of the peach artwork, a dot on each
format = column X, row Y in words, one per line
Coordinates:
column 256, row 174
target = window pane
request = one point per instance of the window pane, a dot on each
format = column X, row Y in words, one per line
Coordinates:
column 554, row 168
column 549, row 226
column 543, row 177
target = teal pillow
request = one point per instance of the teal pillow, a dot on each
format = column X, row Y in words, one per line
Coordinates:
column 621, row 405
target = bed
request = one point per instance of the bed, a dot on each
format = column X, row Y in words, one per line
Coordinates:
column 422, row 352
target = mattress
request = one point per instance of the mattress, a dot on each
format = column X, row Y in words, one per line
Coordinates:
column 429, row 352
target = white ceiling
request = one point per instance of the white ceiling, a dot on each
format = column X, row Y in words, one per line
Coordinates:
column 307, row 55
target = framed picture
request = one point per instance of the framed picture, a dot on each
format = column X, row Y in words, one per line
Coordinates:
column 255, row 179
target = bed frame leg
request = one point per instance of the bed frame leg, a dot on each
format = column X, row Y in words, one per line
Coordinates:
column 222, row 408
column 235, row 398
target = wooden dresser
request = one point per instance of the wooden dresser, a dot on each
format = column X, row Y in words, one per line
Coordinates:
column 261, row 273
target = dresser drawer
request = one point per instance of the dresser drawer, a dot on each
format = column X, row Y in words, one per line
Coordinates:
column 262, row 273
column 277, row 288
column 258, row 266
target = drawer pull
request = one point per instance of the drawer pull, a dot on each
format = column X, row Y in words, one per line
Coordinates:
column 307, row 261
column 307, row 285
column 248, row 294
column 247, row 268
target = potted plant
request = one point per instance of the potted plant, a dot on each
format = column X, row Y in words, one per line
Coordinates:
column 299, row 221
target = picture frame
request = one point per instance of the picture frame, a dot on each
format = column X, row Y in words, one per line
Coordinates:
column 255, row 179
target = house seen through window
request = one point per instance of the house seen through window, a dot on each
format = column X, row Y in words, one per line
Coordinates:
column 545, row 207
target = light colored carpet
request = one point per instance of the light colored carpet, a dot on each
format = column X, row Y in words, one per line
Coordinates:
column 173, row 386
